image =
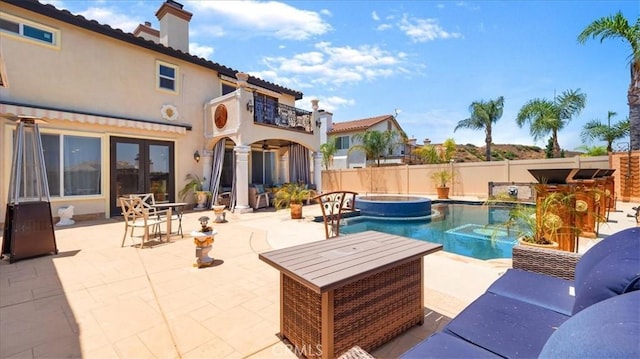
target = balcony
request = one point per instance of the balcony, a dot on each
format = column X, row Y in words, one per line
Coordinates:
column 273, row 114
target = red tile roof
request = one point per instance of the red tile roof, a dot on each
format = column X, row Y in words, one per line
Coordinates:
column 360, row 125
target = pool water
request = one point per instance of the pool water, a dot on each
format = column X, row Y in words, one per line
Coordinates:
column 469, row 230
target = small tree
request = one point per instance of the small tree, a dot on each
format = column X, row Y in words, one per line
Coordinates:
column 375, row 144
column 590, row 151
column 437, row 154
column 594, row 129
column 328, row 150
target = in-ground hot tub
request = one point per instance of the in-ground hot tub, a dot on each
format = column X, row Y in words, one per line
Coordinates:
column 393, row 206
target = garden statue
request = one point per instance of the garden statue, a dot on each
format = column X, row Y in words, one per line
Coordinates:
column 203, row 240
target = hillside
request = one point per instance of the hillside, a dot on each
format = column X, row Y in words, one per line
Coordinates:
column 471, row 153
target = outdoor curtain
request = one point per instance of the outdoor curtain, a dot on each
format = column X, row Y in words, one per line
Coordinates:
column 216, row 173
column 298, row 164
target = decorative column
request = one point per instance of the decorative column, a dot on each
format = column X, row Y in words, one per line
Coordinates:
column 242, row 178
column 317, row 170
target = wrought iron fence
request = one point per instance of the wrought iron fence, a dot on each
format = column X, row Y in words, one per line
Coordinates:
column 287, row 117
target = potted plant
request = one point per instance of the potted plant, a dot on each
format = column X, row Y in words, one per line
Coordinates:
column 195, row 185
column 292, row 195
column 548, row 223
column 441, row 178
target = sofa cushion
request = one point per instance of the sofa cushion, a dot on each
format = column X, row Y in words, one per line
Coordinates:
column 506, row 326
column 600, row 250
column 608, row 329
column 542, row 290
column 443, row 345
column 603, row 248
column 616, row 273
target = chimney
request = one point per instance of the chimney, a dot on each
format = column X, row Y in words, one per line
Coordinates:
column 427, row 141
column 412, row 142
column 147, row 32
column 174, row 25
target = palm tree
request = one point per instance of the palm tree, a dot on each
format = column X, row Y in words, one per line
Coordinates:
column 437, row 154
column 548, row 117
column 328, row 150
column 617, row 26
column 483, row 115
column 594, row 129
column 374, row 144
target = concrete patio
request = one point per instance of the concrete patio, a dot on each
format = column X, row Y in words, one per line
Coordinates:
column 98, row 300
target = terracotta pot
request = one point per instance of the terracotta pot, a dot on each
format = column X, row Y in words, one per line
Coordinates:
column 443, row 192
column 296, row 211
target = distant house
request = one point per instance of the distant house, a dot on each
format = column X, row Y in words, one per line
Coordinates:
column 136, row 112
column 343, row 133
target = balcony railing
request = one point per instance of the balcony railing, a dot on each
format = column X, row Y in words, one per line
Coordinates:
column 284, row 116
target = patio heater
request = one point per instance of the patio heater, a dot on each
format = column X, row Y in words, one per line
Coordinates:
column 28, row 225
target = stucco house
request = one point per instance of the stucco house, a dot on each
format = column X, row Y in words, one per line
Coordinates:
column 135, row 112
column 343, row 133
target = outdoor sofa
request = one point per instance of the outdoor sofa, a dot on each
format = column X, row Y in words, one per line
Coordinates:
column 552, row 304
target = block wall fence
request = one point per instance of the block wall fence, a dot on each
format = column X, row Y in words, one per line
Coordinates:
column 472, row 178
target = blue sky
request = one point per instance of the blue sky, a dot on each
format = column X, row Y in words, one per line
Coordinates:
column 427, row 60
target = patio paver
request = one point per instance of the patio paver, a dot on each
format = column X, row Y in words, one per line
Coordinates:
column 98, row 300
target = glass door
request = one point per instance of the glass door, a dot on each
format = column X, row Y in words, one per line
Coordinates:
column 140, row 166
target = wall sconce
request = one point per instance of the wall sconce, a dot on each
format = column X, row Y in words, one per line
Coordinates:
column 318, row 123
column 250, row 106
column 196, row 156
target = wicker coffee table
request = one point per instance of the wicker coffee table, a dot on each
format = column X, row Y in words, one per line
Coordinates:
column 361, row 289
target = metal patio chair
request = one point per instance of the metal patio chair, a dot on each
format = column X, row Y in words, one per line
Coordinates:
column 136, row 215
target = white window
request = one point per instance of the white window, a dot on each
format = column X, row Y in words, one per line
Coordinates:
column 342, row 142
column 73, row 163
column 25, row 29
column 167, row 76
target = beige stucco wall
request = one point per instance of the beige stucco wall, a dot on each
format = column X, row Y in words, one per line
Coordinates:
column 92, row 73
column 470, row 179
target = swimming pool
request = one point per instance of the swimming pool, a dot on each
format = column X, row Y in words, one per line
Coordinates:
column 465, row 229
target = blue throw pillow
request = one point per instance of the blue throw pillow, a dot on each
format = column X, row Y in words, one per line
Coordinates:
column 259, row 188
column 609, row 329
column 616, row 273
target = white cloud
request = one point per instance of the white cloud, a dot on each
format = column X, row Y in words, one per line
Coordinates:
column 105, row 15
column 201, row 50
column 383, row 27
column 330, row 103
column 422, row 30
column 375, row 16
column 209, row 30
column 270, row 18
column 331, row 65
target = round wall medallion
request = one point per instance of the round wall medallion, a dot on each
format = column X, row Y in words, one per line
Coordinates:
column 169, row 112
column 220, row 116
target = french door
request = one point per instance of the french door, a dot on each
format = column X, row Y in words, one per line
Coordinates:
column 141, row 166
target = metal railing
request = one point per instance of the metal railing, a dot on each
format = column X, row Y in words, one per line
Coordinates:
column 287, row 117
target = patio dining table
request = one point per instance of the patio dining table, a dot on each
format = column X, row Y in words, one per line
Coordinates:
column 178, row 208
column 361, row 289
